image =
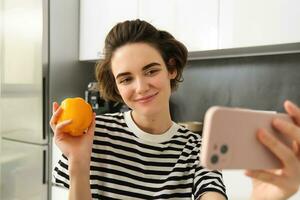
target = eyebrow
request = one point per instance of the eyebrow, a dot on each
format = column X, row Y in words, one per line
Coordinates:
column 144, row 68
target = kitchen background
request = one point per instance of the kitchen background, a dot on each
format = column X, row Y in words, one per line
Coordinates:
column 258, row 82
column 241, row 54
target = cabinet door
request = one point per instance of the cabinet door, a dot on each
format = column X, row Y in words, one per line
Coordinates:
column 197, row 24
column 161, row 14
column 97, row 17
column 21, row 70
column 23, row 171
column 254, row 23
column 193, row 22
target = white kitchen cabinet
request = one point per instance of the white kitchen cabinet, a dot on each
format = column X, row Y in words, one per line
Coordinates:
column 161, row 14
column 97, row 17
column 200, row 24
column 245, row 23
column 197, row 24
column 193, row 22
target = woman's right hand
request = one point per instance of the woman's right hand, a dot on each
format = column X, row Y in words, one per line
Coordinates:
column 77, row 149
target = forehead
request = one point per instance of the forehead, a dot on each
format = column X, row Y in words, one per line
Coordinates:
column 134, row 56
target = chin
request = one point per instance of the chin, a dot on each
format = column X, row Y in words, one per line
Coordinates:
column 148, row 111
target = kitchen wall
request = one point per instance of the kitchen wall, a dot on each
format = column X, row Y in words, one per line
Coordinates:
column 261, row 82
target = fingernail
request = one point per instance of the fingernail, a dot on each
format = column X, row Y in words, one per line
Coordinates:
column 291, row 105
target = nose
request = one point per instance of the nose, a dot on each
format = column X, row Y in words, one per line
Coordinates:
column 142, row 86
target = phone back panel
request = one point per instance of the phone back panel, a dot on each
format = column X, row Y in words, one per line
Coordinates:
column 230, row 141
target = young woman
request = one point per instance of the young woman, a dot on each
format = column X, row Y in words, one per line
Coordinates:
column 142, row 153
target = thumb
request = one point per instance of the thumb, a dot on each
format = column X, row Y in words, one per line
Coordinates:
column 91, row 129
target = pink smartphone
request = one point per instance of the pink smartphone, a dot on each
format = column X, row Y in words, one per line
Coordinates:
column 230, row 142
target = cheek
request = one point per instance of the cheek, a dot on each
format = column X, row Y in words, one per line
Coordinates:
column 164, row 82
column 125, row 92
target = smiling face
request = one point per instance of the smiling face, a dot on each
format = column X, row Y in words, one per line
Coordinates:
column 142, row 78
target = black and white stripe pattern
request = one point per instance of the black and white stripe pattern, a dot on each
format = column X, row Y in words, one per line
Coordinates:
column 125, row 166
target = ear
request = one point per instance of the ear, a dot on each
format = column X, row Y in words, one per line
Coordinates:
column 172, row 68
column 173, row 74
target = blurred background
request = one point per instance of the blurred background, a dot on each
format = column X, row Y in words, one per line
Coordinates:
column 242, row 53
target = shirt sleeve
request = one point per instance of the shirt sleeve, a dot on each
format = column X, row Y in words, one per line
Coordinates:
column 61, row 173
column 206, row 180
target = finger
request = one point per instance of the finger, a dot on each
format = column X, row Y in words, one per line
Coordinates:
column 61, row 125
column 264, row 176
column 55, row 116
column 293, row 110
column 287, row 128
column 55, row 106
column 281, row 151
column 92, row 126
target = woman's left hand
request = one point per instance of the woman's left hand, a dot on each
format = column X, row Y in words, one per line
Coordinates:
column 280, row 184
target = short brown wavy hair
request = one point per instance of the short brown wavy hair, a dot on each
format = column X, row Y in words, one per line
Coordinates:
column 173, row 52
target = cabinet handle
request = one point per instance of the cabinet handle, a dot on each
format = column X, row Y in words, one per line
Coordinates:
column 44, row 167
column 44, row 108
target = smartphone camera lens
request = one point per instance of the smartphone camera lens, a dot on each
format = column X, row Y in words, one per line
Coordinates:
column 214, row 159
column 224, row 149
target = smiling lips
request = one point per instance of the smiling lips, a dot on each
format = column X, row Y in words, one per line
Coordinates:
column 146, row 98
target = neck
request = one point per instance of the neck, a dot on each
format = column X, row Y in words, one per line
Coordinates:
column 153, row 124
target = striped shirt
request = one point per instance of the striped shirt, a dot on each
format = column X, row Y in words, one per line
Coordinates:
column 128, row 163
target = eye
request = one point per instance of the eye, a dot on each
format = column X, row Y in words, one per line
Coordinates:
column 152, row 72
column 125, row 80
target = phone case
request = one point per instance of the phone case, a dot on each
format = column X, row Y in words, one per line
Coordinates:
column 230, row 142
